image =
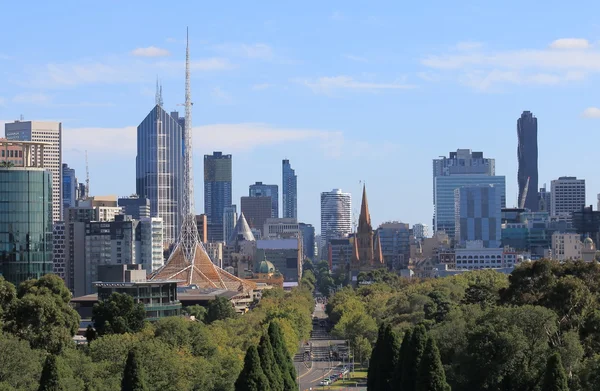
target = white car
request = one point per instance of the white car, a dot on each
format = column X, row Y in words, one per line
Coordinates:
column 325, row 382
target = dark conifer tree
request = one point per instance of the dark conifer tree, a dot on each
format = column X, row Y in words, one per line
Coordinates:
column 269, row 364
column 402, row 360
column 410, row 367
column 252, row 377
column 50, row 380
column 288, row 372
column 390, row 353
column 555, row 378
column 133, row 375
column 431, row 375
column 374, row 371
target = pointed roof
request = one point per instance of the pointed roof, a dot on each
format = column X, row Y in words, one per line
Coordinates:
column 378, row 254
column 242, row 230
column 364, row 221
column 355, row 256
column 201, row 272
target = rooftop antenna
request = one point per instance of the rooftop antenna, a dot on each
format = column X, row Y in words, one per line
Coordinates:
column 87, row 176
column 158, row 99
column 21, row 117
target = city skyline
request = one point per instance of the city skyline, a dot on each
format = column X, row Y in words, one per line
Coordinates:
column 269, row 97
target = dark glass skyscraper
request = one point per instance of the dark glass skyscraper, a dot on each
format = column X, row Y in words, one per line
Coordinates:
column 527, row 155
column 261, row 190
column 25, row 223
column 217, row 192
column 69, row 187
column 159, row 168
column 289, row 190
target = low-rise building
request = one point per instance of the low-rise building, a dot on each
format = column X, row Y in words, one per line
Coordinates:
column 566, row 246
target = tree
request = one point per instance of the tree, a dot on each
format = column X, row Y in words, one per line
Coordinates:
column 50, row 379
column 362, row 348
column 418, row 342
column 390, row 354
column 403, row 359
column 252, row 377
column 282, row 357
column 41, row 314
column 118, row 315
column 90, row 333
column 555, row 378
column 8, row 293
column 431, row 375
column 133, row 375
column 269, row 365
column 197, row 311
column 220, row 308
column 20, row 365
column 374, row 370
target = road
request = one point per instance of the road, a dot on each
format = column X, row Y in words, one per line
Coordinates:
column 321, row 367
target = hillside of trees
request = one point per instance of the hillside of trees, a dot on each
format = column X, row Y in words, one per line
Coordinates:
column 174, row 353
column 537, row 329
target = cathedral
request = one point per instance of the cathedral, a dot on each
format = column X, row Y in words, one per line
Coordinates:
column 366, row 251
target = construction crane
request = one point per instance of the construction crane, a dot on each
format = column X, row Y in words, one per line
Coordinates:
column 87, row 176
column 524, row 195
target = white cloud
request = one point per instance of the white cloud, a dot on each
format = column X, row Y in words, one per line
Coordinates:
column 329, row 84
column 150, row 51
column 591, row 112
column 468, row 45
column 261, row 86
column 256, row 50
column 356, row 58
column 36, row 98
column 484, row 69
column 570, row 43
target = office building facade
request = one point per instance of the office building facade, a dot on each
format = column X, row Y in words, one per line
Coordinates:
column 44, row 132
column 421, row 231
column 229, row 221
column 256, row 210
column 289, row 190
column 217, row 192
column 261, row 190
column 544, row 199
column 336, row 214
column 59, row 249
column 478, row 214
column 567, row 195
column 159, row 168
column 307, row 231
column 69, row 187
column 394, row 238
column 135, row 206
column 527, row 155
column 444, row 203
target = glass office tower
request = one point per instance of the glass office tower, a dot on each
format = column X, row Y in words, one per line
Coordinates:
column 217, row 192
column 289, row 190
column 25, row 223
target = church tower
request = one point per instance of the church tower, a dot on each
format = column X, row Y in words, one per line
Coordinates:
column 364, row 233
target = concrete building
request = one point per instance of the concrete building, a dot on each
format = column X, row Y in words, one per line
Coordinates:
column 395, row 244
column 475, row 256
column 230, row 218
column 135, row 206
column 261, row 190
column 26, row 211
column 289, row 190
column 69, row 187
column 566, row 246
column 256, row 210
column 59, row 249
column 307, row 232
column 284, row 254
column 159, row 168
column 217, row 192
column 149, row 240
column 527, row 155
column 421, row 231
column 568, row 195
column 339, row 253
column 283, row 228
column 44, row 132
column 336, row 214
column 215, row 252
column 201, row 224
column 105, row 208
column 478, row 214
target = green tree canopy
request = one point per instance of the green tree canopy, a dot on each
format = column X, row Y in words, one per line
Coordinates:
column 269, row 364
column 220, row 308
column 133, row 374
column 197, row 311
column 410, row 370
column 431, row 375
column 118, row 315
column 288, row 372
column 555, row 378
column 49, row 380
column 252, row 377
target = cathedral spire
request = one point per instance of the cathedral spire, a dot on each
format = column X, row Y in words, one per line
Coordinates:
column 364, row 221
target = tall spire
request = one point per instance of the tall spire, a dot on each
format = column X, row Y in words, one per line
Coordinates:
column 364, row 221
column 158, row 99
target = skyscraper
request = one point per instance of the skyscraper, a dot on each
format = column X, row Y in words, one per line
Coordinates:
column 217, row 192
column 478, row 215
column 527, row 155
column 46, row 132
column 289, row 190
column 256, row 210
column 567, row 195
column 336, row 214
column 26, row 216
column 136, row 207
column 261, row 190
column 229, row 220
column 159, row 168
column 69, row 187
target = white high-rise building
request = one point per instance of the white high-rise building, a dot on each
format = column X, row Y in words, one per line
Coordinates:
column 421, row 231
column 151, row 243
column 336, row 214
column 567, row 195
column 47, row 132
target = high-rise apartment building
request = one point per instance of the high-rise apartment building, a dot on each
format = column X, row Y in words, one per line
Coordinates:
column 421, row 231
column 217, row 192
column 478, row 214
column 229, row 221
column 149, row 239
column 136, row 207
column 567, row 195
column 69, row 187
column 336, row 214
column 444, row 211
column 159, row 168
column 527, row 155
column 461, row 168
column 261, row 190
column 45, row 132
column 26, row 216
column 256, row 210
column 289, row 190
column 59, row 249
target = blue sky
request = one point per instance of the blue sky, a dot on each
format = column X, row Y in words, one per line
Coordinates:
column 348, row 91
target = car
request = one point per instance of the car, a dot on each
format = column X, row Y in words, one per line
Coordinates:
column 325, row 382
